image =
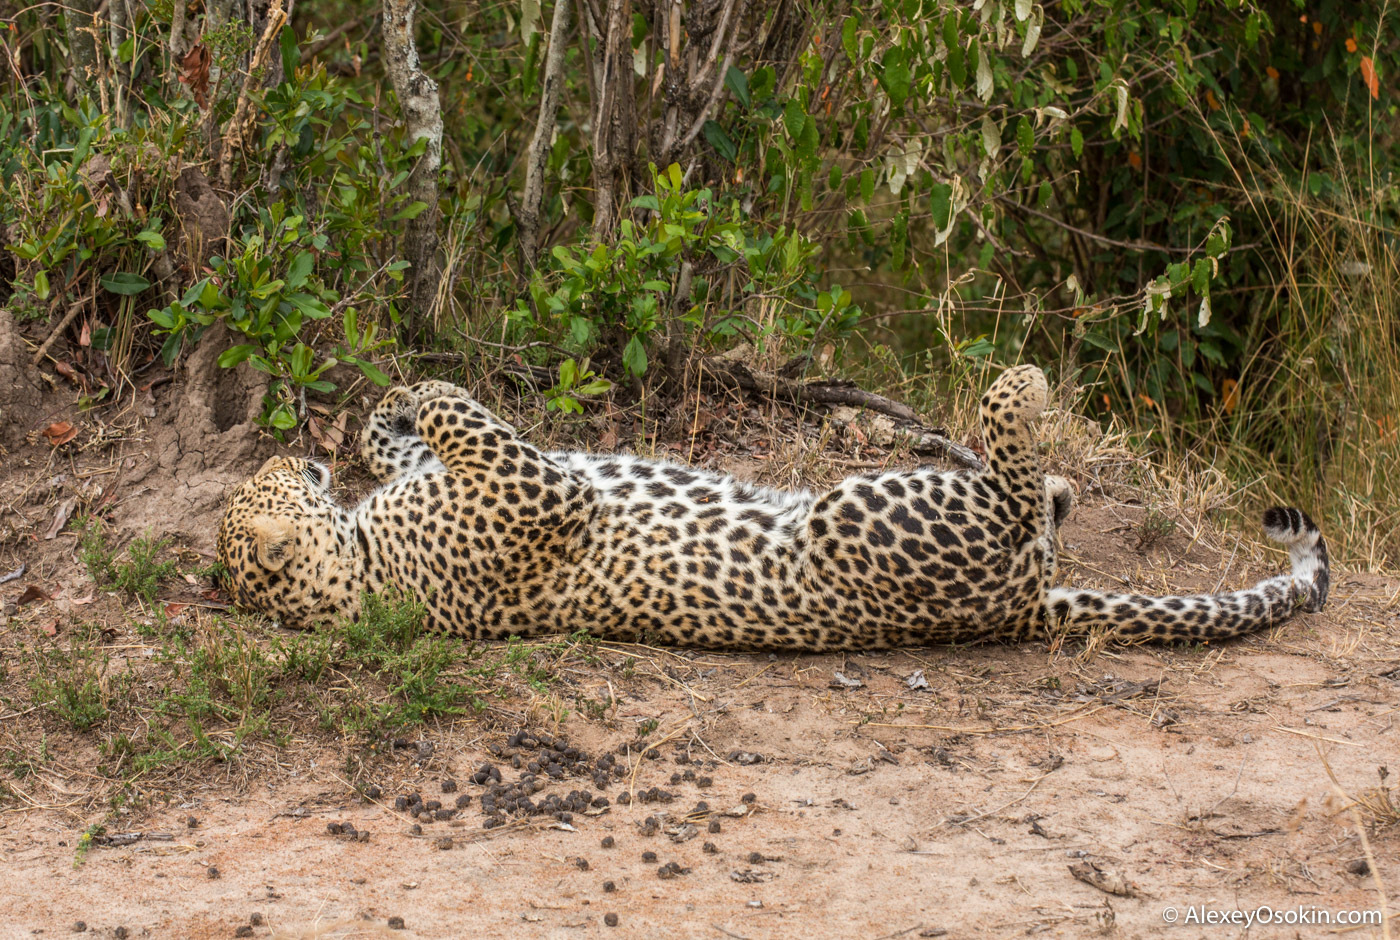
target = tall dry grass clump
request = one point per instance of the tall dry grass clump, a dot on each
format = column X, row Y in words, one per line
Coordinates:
column 1317, row 422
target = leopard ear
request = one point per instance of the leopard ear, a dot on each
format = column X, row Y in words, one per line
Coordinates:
column 273, row 541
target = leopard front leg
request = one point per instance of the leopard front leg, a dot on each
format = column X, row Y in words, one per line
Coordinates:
column 519, row 493
column 389, row 443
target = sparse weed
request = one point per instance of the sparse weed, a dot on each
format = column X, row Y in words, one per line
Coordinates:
column 73, row 686
column 138, row 575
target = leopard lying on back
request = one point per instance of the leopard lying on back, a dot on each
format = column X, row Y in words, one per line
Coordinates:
column 497, row 538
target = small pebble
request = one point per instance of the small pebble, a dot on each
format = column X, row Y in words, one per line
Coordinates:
column 464, row 800
column 373, row 792
column 648, row 856
column 705, row 782
column 714, row 825
column 449, row 786
column 212, row 872
column 610, row 919
column 608, row 888
column 396, row 923
column 81, row 927
column 710, row 848
column 582, row 864
column 256, row 919
column 608, row 842
column 755, row 858
column 334, row 828
column 444, row 843
column 748, row 797
column 244, row 931
column 191, row 822
column 416, row 829
column 120, row 933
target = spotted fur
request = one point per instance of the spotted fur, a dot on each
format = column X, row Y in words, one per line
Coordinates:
column 499, row 538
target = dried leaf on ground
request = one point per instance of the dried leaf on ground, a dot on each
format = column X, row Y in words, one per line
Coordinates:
column 60, row 518
column 31, row 594
column 1099, row 874
column 60, row 433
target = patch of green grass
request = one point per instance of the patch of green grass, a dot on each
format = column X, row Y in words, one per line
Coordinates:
column 138, row 574
column 387, row 641
column 72, row 686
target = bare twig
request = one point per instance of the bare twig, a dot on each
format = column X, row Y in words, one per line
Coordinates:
column 73, row 311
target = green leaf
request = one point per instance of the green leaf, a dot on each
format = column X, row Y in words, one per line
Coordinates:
column 1200, row 277
column 794, row 116
column 372, row 372
column 234, row 355
column 41, row 284
column 80, row 150
column 125, row 284
column 957, row 65
column 895, row 77
column 309, row 306
column 299, row 270
column 738, row 83
column 171, row 348
column 1045, row 193
column 634, row 357
column 1076, row 142
column 644, row 202
column 284, row 419
column 848, row 39
column 867, row 184
column 807, row 143
column 291, row 53
column 151, row 239
column 1025, row 137
column 162, row 318
column 656, row 285
column 719, row 140
column 941, row 204
column 412, row 211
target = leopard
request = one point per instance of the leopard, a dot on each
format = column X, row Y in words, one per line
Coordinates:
column 496, row 538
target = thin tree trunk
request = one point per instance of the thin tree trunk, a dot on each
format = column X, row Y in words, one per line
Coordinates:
column 418, row 97
column 82, row 40
column 614, row 130
column 538, row 156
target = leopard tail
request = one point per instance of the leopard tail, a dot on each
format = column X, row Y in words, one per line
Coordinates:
column 1208, row 616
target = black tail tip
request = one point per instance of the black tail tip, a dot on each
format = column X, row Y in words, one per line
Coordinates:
column 1287, row 524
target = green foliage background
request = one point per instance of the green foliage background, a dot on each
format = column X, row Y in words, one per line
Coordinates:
column 1186, row 210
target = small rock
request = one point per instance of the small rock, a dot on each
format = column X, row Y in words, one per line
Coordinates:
column 714, row 825
column 1359, row 867
column 244, row 931
column 373, row 792
column 648, row 856
column 79, row 927
column 610, row 919
column 256, row 919
column 120, row 933
column 191, row 822
column 748, row 797
column 608, row 888
column 608, row 842
column 443, row 844
column 212, row 872
column 396, row 923
column 709, row 848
